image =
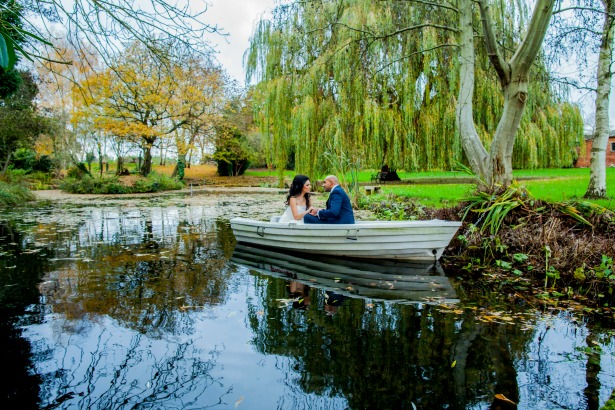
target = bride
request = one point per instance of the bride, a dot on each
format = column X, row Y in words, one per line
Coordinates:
column 298, row 200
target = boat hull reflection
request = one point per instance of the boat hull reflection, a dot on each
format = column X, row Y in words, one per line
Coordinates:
column 403, row 282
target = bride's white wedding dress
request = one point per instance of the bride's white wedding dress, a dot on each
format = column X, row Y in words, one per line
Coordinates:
column 287, row 216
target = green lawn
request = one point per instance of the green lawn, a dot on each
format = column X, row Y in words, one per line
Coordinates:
column 548, row 184
column 365, row 176
column 431, row 195
column 552, row 185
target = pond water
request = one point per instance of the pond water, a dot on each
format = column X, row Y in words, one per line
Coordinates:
column 151, row 304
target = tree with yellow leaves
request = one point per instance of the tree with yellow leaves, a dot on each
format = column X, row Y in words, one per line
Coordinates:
column 200, row 97
column 143, row 99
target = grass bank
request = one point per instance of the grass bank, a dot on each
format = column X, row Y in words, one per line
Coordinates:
column 14, row 193
column 554, row 253
column 538, row 241
column 447, row 188
column 552, row 185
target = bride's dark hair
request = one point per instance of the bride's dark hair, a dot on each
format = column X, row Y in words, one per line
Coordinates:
column 296, row 187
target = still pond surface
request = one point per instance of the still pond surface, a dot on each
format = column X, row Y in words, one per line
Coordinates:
column 152, row 305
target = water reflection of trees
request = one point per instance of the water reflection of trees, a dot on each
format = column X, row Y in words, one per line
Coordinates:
column 143, row 273
column 383, row 355
column 22, row 266
column 146, row 270
column 127, row 370
column 21, row 269
column 142, row 267
column 386, row 355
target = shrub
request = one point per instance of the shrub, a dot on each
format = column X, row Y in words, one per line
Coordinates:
column 164, row 182
column 72, row 172
column 78, row 171
column 75, row 185
column 14, row 194
column 232, row 168
column 14, row 176
column 233, row 153
column 44, row 164
column 145, row 185
column 39, row 180
column 24, row 158
column 89, row 185
column 113, row 185
column 67, row 184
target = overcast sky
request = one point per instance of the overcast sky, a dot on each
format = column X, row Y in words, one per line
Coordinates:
column 236, row 17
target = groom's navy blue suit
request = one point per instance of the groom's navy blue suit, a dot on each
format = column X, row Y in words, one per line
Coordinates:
column 339, row 210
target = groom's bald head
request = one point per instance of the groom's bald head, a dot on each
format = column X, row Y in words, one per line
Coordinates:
column 330, row 182
column 333, row 179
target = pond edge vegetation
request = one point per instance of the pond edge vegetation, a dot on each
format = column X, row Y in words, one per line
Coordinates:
column 554, row 253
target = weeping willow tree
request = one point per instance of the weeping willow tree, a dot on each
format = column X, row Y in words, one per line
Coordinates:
column 376, row 83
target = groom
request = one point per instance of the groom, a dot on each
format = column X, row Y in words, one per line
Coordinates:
column 339, row 210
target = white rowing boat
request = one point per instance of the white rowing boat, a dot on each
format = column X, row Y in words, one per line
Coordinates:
column 408, row 240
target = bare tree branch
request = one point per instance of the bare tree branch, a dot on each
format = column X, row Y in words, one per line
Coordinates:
column 407, row 56
column 108, row 25
column 493, row 51
column 429, row 3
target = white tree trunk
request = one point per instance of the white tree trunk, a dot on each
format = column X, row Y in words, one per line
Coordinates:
column 515, row 81
column 500, row 154
column 475, row 151
column 496, row 166
column 600, row 139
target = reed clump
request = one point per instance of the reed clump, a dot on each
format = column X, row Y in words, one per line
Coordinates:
column 554, row 250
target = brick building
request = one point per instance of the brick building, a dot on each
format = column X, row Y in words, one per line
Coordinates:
column 610, row 152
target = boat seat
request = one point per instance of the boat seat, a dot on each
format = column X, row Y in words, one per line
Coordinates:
column 275, row 218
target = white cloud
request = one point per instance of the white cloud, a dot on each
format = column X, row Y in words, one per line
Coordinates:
column 237, row 18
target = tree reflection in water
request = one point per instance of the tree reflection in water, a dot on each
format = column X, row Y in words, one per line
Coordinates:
column 121, row 268
column 399, row 356
column 140, row 307
column 125, row 369
column 21, row 269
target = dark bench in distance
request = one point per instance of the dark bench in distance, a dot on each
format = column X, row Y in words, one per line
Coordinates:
column 379, row 177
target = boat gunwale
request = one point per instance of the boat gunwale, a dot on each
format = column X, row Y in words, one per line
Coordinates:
column 359, row 224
